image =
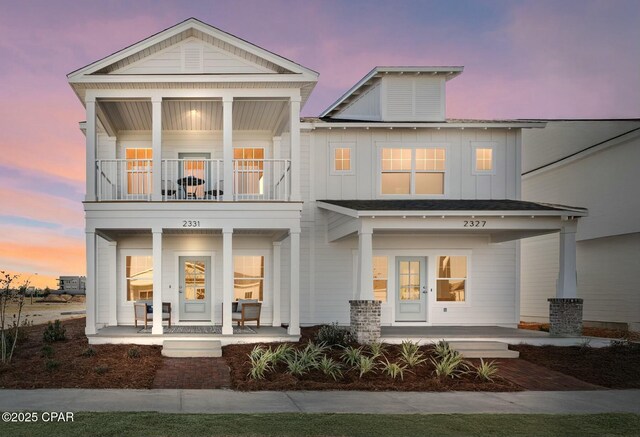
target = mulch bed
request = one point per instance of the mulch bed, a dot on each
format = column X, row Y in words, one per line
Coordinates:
column 110, row 367
column 612, row 367
column 419, row 378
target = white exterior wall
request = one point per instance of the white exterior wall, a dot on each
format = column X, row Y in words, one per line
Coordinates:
column 460, row 180
column 608, row 240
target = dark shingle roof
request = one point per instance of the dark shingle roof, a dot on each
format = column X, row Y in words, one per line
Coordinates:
column 447, row 205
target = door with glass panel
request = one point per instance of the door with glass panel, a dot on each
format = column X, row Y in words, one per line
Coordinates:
column 411, row 289
column 195, row 288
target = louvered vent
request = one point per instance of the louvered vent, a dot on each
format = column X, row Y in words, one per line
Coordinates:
column 192, row 58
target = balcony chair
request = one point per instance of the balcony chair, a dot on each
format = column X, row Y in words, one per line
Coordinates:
column 218, row 191
column 168, row 191
column 143, row 311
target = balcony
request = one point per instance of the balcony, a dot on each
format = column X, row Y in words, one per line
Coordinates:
column 188, row 180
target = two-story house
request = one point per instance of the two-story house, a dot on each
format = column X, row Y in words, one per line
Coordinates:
column 205, row 187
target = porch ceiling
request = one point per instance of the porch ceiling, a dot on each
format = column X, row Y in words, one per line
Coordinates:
column 194, row 115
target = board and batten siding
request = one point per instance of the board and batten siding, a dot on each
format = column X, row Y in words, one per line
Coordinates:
column 461, row 182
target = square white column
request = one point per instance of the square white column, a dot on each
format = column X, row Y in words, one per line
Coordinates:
column 156, row 144
column 294, row 123
column 112, row 250
column 276, row 318
column 567, row 275
column 227, row 147
column 227, row 280
column 90, row 104
column 157, row 282
column 90, row 292
column 294, row 299
column 365, row 265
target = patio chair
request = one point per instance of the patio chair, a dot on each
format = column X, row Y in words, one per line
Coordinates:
column 245, row 310
column 143, row 311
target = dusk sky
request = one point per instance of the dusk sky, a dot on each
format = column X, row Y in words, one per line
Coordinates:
column 522, row 59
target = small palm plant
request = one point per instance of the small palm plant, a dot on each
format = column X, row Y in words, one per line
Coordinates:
column 261, row 362
column 281, row 353
column 442, row 349
column 486, row 370
column 411, row 355
column 450, row 366
column 351, row 355
column 376, row 349
column 365, row 365
column 330, row 367
column 393, row 369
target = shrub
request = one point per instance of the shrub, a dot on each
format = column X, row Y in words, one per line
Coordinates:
column 411, row 354
column 133, row 352
column 311, row 354
column 256, row 352
column 486, row 370
column 51, row 365
column 330, row 367
column 102, row 369
column 46, row 351
column 298, row 364
column 334, row 335
column 450, row 366
column 260, row 363
column 54, row 332
column 365, row 365
column 442, row 349
column 376, row 349
column 393, row 369
column 351, row 355
column 281, row 353
column 88, row 352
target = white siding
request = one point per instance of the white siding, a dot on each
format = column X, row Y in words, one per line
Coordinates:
column 103, row 275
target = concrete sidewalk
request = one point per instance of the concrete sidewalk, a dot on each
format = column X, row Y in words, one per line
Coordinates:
column 228, row 401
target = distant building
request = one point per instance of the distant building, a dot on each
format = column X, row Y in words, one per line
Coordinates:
column 72, row 284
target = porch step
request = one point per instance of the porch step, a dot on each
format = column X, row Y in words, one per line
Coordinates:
column 483, row 349
column 191, row 348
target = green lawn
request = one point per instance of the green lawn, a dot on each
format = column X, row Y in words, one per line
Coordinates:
column 366, row 425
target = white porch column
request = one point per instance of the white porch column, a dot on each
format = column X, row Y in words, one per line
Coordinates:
column 156, row 144
column 276, row 320
column 277, row 147
column 90, row 291
column 90, row 134
column 294, row 299
column 113, row 296
column 157, row 281
column 227, row 280
column 295, row 148
column 365, row 264
column 567, row 286
column 227, row 147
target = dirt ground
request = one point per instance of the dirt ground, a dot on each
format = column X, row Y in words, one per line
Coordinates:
column 110, row 367
column 40, row 312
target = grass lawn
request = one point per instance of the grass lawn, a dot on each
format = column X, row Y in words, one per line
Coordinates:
column 193, row 425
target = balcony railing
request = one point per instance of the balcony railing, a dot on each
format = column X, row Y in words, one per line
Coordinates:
column 194, row 180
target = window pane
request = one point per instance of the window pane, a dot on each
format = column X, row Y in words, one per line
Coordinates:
column 429, row 183
column 484, row 159
column 342, row 159
column 139, row 276
column 248, row 288
column 451, row 290
column 380, row 272
column 396, row 159
column 396, row 183
column 248, row 277
column 430, row 159
column 452, row 267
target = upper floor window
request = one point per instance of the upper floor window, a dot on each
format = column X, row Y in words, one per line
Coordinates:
column 139, row 164
column 413, row 170
column 342, row 159
column 483, row 159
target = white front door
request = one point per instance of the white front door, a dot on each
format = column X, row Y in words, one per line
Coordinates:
column 411, row 289
column 195, row 288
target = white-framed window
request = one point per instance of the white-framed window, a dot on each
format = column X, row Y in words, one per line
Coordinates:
column 483, row 159
column 139, row 170
column 380, row 278
column 248, row 277
column 138, row 271
column 342, row 157
column 451, row 278
column 416, row 170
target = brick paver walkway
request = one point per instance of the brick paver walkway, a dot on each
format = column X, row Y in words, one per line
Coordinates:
column 192, row 373
column 534, row 377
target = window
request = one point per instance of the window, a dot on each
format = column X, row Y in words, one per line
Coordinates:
column 139, row 170
column 139, row 276
column 380, row 278
column 452, row 279
column 483, row 158
column 248, row 277
column 413, row 171
column 249, row 170
column 342, row 157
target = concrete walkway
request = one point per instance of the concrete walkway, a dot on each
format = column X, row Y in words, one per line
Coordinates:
column 228, row 401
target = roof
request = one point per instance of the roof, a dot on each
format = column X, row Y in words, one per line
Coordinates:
column 444, row 205
column 448, row 71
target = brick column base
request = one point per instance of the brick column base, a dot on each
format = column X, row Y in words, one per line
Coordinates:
column 565, row 317
column 365, row 320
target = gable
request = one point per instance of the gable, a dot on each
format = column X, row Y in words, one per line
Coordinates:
column 193, row 56
column 365, row 107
